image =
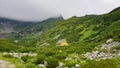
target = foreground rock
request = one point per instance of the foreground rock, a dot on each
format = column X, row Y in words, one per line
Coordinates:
column 5, row 64
column 19, row 55
column 104, row 52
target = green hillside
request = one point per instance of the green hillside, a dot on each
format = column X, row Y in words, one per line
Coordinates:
column 93, row 41
column 37, row 28
column 7, row 45
column 90, row 28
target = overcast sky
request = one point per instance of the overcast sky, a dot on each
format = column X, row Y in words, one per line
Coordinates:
column 36, row 10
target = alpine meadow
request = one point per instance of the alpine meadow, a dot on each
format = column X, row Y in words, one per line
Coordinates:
column 89, row 41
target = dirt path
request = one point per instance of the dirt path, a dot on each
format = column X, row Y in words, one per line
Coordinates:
column 5, row 64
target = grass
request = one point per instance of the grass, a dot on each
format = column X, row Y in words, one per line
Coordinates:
column 14, row 61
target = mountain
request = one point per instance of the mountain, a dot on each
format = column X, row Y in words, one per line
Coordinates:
column 10, row 26
column 89, row 28
column 20, row 29
column 91, row 41
column 13, row 30
column 40, row 27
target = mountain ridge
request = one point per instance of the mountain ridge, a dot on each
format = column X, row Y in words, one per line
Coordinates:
column 91, row 41
column 8, row 26
column 86, row 28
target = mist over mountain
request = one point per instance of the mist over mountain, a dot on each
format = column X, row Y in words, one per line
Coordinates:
column 36, row 10
column 8, row 26
column 88, row 41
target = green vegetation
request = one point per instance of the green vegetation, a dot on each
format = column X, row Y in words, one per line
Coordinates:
column 7, row 45
column 40, row 59
column 108, row 63
column 83, row 34
column 52, row 62
column 15, row 61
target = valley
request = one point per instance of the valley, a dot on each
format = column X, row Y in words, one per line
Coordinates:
column 90, row 41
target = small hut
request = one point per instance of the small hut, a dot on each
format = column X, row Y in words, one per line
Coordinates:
column 62, row 42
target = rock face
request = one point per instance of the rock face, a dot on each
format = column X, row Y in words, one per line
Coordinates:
column 19, row 55
column 109, row 41
column 62, row 42
column 8, row 27
column 104, row 52
column 4, row 64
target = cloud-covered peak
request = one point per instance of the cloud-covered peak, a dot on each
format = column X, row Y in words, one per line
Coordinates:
column 36, row 10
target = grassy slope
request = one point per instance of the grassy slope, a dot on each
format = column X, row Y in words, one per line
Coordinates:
column 79, row 32
column 7, row 45
column 88, row 28
column 38, row 27
column 82, row 34
column 14, row 61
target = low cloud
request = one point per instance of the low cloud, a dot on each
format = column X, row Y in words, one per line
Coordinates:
column 36, row 10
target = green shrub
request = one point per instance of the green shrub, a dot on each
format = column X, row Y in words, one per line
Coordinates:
column 24, row 49
column 8, row 56
column 52, row 62
column 39, row 59
column 108, row 63
column 117, row 47
column 25, row 58
column 70, row 64
column 7, row 45
column 30, row 65
column 49, row 53
column 60, row 56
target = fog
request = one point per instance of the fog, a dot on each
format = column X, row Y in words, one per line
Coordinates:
column 37, row 10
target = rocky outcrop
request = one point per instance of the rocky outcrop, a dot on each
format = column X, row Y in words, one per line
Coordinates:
column 104, row 51
column 19, row 55
column 5, row 64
